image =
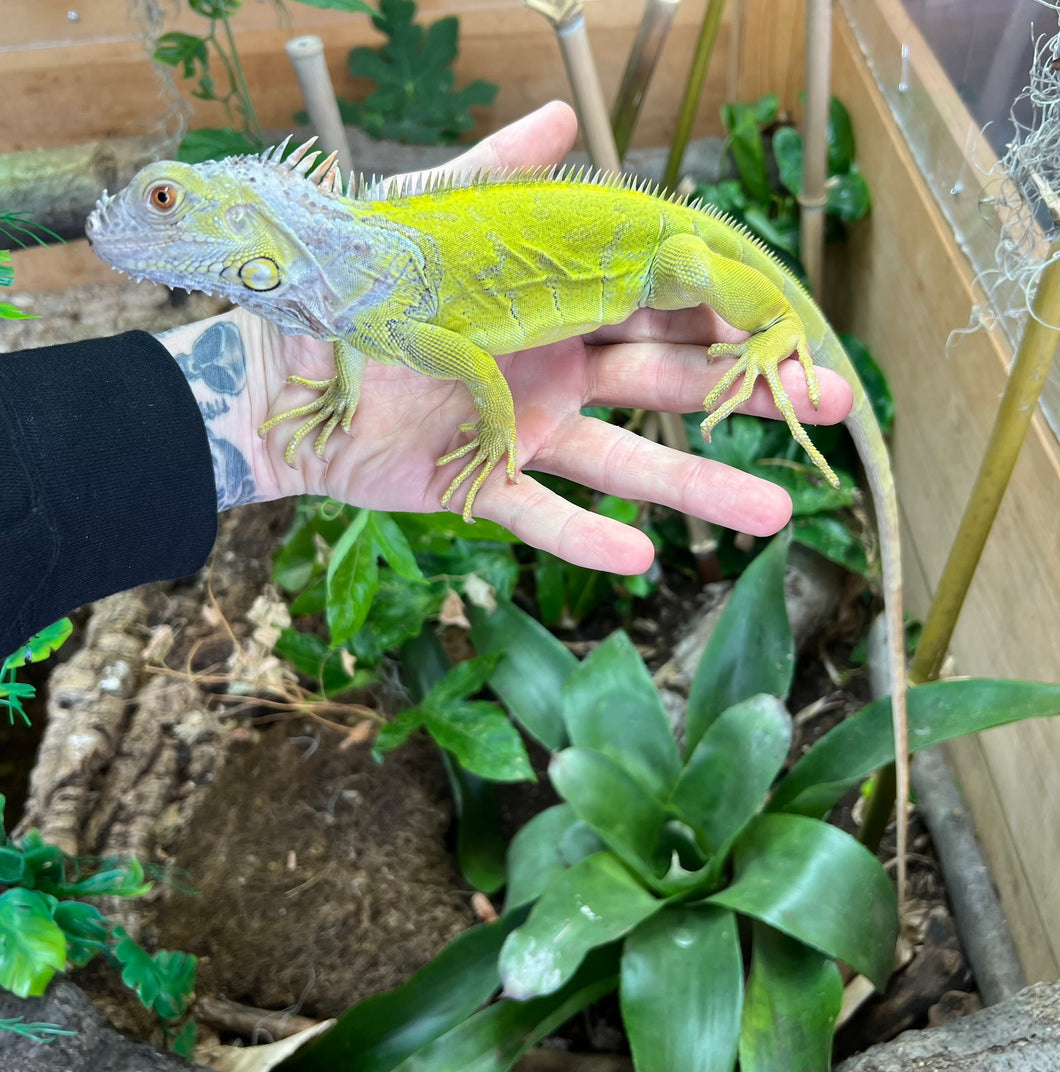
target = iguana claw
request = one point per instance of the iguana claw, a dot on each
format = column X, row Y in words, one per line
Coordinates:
column 490, row 445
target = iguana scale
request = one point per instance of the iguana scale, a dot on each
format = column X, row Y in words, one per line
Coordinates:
column 443, row 276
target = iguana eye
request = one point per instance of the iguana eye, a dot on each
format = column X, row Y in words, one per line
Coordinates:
column 162, row 197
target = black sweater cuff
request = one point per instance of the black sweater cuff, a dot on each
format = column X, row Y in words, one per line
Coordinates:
column 106, row 479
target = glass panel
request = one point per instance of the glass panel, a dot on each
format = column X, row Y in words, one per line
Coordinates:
column 951, row 71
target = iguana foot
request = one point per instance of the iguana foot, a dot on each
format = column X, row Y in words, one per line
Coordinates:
column 332, row 407
column 490, row 444
column 757, row 356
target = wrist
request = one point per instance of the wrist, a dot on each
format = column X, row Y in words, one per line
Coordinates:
column 226, row 361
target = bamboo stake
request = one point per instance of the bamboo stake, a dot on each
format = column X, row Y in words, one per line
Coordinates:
column 812, row 195
column 1029, row 371
column 307, row 58
column 708, row 33
column 643, row 57
column 569, row 23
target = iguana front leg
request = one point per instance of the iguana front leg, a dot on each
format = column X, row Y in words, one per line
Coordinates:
column 687, row 272
column 337, row 402
column 443, row 354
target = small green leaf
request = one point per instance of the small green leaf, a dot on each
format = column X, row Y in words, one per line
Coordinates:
column 681, row 990
column 32, row 945
column 818, row 885
column 13, row 312
column 610, row 705
column 529, row 677
column 85, row 929
column 391, row 544
column 40, row 645
column 793, row 998
column 164, row 982
column 787, row 151
column 726, row 779
column 591, row 904
column 751, row 649
column 396, row 732
column 481, row 739
column 592, row 783
column 352, row 581
column 847, row 196
column 745, row 144
column 465, row 679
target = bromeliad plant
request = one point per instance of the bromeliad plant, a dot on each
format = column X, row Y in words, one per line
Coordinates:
column 668, row 862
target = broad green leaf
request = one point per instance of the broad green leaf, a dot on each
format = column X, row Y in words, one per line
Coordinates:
column 787, row 151
column 872, row 379
column 113, row 879
column 726, row 779
column 481, row 739
column 214, row 144
column 534, row 857
column 40, row 645
column 819, row 886
column 829, row 537
column 681, row 990
column 848, row 196
column 398, row 611
column 610, row 705
column 377, row 1034
column 496, row 1037
column 352, row 581
column 938, row 711
column 529, row 677
column 480, row 849
column 32, row 945
column 391, row 544
column 549, row 587
column 85, row 928
column 790, row 1007
column 745, row 144
column 617, row 807
column 591, row 904
column 840, row 137
column 750, row 650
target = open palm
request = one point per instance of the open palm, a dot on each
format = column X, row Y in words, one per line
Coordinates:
column 653, row 361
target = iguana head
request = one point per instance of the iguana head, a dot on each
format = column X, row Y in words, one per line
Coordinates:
column 235, row 227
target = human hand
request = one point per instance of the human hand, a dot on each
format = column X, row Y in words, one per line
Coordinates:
column 654, row 360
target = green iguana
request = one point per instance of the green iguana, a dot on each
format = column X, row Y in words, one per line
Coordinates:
column 444, row 275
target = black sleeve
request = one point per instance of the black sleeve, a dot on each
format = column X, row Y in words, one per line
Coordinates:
column 106, row 479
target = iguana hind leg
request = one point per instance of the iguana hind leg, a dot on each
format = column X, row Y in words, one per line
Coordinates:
column 687, row 272
column 337, row 403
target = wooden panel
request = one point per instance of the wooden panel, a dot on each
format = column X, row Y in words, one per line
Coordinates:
column 903, row 287
column 57, row 65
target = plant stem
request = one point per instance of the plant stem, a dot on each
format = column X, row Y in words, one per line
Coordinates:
column 643, row 56
column 708, row 33
column 235, row 73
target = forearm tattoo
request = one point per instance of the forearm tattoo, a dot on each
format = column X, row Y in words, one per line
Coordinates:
column 216, row 369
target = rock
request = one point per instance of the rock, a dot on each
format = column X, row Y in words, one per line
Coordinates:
column 1021, row 1034
column 95, row 1047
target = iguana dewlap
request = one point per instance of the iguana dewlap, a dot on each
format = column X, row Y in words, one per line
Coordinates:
column 442, row 278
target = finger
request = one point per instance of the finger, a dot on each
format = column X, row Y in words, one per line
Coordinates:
column 676, row 378
column 541, row 138
column 541, row 518
column 619, row 462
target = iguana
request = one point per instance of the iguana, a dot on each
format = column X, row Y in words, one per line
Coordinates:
column 443, row 275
